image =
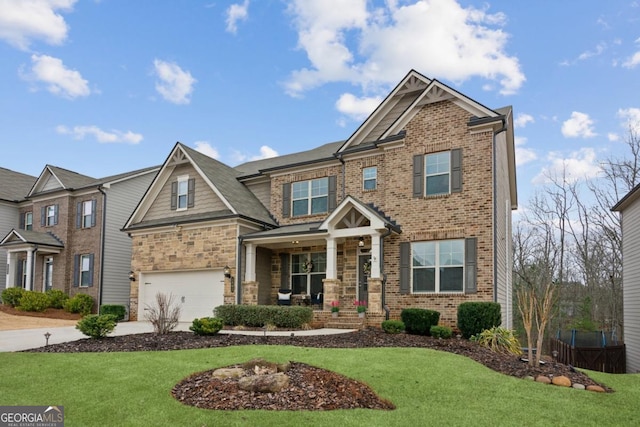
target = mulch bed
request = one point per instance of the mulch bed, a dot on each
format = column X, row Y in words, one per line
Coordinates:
column 51, row 313
column 306, row 381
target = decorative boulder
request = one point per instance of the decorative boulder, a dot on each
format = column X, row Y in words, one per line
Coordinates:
column 595, row 388
column 542, row 379
column 562, row 381
column 578, row 386
column 223, row 373
column 271, row 383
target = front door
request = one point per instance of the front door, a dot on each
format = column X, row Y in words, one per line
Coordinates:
column 363, row 275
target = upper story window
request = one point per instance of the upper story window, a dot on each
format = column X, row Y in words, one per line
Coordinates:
column 438, row 266
column 183, row 193
column 86, row 214
column 310, row 197
column 437, row 173
column 370, row 178
column 27, row 221
column 49, row 215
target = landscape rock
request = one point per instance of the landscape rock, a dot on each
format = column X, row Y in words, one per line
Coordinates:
column 561, row 381
column 542, row 379
column 228, row 373
column 578, row 386
column 271, row 383
column 595, row 388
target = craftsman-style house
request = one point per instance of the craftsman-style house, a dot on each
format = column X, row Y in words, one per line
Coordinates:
column 64, row 233
column 412, row 210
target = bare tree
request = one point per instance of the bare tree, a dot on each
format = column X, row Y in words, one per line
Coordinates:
column 165, row 315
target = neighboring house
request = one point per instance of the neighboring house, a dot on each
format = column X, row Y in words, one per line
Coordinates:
column 412, row 210
column 629, row 208
column 66, row 234
column 14, row 187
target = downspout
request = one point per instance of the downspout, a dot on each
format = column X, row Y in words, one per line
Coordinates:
column 384, row 275
column 33, row 267
column 239, row 271
column 495, row 207
column 339, row 157
column 102, row 245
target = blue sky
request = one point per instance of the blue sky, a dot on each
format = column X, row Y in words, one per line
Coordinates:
column 107, row 86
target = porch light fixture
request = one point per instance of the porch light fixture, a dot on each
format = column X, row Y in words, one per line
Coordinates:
column 361, row 242
column 227, row 272
column 132, row 276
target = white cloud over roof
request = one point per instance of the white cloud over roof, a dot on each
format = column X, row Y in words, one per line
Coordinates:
column 579, row 125
column 58, row 79
column 112, row 136
column 236, row 12
column 174, row 84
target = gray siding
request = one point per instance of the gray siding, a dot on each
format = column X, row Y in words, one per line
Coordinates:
column 122, row 198
column 262, row 191
column 631, row 284
column 9, row 219
column 502, row 224
column 205, row 199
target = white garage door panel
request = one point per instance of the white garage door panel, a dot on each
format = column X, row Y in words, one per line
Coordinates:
column 197, row 292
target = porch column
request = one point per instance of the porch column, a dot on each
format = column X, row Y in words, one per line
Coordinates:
column 375, row 256
column 9, row 280
column 29, row 279
column 250, row 263
column 332, row 255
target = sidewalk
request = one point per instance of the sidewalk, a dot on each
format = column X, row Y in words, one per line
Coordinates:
column 24, row 339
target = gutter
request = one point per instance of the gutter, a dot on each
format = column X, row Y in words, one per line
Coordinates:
column 495, row 210
column 102, row 245
column 344, row 173
column 238, row 278
column 384, row 275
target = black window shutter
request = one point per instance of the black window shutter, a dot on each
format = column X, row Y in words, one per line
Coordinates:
column 94, row 204
column 79, row 215
column 43, row 216
column 76, row 270
column 22, row 222
column 284, row 271
column 470, row 265
column 90, row 270
column 286, row 200
column 405, row 267
column 456, row 170
column 191, row 192
column 55, row 214
column 174, row 195
column 418, row 175
column 333, row 189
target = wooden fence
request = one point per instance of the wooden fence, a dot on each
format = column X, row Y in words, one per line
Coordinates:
column 610, row 359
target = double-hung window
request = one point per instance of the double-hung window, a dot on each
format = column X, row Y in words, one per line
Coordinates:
column 307, row 272
column 28, row 221
column 438, row 266
column 50, row 215
column 310, row 197
column 370, row 178
column 83, row 274
column 437, row 173
column 183, row 191
column 87, row 213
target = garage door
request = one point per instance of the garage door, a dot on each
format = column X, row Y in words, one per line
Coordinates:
column 197, row 292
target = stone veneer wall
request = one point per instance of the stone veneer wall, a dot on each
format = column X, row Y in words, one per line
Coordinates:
column 184, row 248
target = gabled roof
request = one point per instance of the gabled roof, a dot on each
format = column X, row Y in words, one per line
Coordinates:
column 18, row 237
column 15, row 185
column 54, row 178
column 222, row 179
column 627, row 199
column 376, row 218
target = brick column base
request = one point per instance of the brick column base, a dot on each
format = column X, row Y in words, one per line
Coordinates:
column 250, row 293
column 375, row 295
column 331, row 292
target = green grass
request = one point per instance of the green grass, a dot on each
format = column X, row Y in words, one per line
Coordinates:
column 428, row 388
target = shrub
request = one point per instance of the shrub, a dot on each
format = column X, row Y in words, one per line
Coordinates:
column 97, row 326
column 498, row 340
column 260, row 315
column 80, row 303
column 393, row 326
column 33, row 301
column 165, row 315
column 419, row 321
column 475, row 317
column 206, row 326
column 120, row 311
column 11, row 296
column 441, row 332
column 57, row 298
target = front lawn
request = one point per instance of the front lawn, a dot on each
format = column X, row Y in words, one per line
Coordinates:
column 428, row 388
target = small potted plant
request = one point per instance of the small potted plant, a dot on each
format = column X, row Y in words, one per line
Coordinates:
column 335, row 308
column 361, row 307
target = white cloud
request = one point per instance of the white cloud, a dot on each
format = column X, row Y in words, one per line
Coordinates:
column 632, row 61
column 376, row 46
column 579, row 125
column 174, row 84
column 58, row 79
column 266, row 152
column 522, row 120
column 579, row 164
column 613, row 137
column 600, row 47
column 21, row 21
column 205, row 148
column 523, row 155
column 235, row 13
column 631, row 118
column 113, row 136
column 357, row 108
